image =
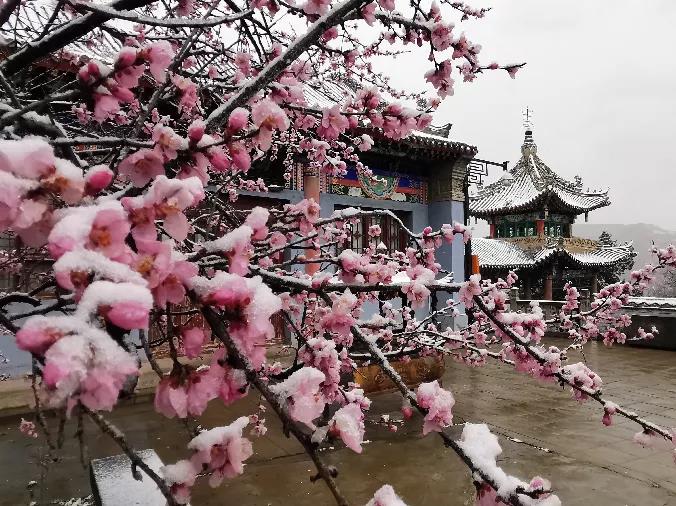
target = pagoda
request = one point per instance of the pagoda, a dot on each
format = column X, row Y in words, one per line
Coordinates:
column 531, row 210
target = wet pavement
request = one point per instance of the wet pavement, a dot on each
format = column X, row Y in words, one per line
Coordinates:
column 541, row 429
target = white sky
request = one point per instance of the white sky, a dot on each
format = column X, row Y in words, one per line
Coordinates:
column 601, row 78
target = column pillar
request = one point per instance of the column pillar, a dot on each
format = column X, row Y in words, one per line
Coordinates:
column 527, row 294
column 540, row 228
column 492, row 234
column 548, row 292
column 594, row 283
column 311, row 191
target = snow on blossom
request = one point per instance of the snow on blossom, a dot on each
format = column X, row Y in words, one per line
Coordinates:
column 268, row 117
column 609, row 409
column 438, row 403
column 248, row 305
column 385, row 496
column 97, row 179
column 348, row 424
column 340, row 320
column 583, row 377
column 222, row 450
column 159, row 55
column 469, row 289
column 74, row 270
column 321, row 353
column 180, row 477
column 89, row 366
column 416, row 290
column 126, row 305
column 483, row 448
column 236, row 245
column 238, row 119
column 257, row 220
column 301, row 393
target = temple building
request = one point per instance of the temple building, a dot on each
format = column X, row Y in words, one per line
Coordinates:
column 531, row 211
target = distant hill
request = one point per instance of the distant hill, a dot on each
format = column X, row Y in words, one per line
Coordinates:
column 641, row 234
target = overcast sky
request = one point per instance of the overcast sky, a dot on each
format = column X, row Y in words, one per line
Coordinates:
column 601, row 78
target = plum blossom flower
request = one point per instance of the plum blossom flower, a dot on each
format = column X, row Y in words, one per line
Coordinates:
column 185, row 393
column 333, row 123
column 222, row 450
column 193, row 338
column 28, row 428
column 385, row 496
column 339, row 320
column 581, row 376
column 469, row 289
column 159, row 55
column 438, row 403
column 142, row 166
column 180, row 477
column 268, row 117
column 348, row 424
column 301, row 393
column 88, row 366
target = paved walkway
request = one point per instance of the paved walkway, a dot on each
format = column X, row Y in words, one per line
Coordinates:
column 542, row 431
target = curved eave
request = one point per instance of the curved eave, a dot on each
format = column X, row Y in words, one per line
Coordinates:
column 495, row 254
column 554, row 201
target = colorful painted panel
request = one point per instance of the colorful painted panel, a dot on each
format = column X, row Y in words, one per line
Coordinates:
column 382, row 185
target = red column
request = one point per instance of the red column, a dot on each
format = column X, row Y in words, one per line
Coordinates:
column 540, row 227
column 311, row 191
column 492, row 230
column 548, row 295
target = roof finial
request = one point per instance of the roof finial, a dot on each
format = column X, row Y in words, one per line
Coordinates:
column 528, row 123
column 528, row 147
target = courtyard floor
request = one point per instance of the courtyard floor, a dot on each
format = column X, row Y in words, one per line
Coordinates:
column 541, row 429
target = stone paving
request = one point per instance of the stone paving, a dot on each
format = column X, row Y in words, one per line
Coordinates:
column 541, row 429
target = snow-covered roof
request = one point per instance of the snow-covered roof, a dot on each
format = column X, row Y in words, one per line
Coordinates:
column 502, row 254
column 652, row 302
column 531, row 185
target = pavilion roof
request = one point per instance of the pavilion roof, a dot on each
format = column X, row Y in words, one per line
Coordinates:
column 530, row 186
column 498, row 254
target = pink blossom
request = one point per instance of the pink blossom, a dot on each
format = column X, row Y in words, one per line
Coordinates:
column 193, row 338
column 222, row 450
column 182, row 394
column 316, row 7
column 28, row 428
column 470, row 289
column 142, row 166
column 30, row 157
column 348, row 424
column 257, row 220
column 333, row 123
column 128, row 315
column 241, row 159
column 36, row 336
column 301, row 393
column 268, row 117
column 97, row 179
column 90, row 367
column 438, row 403
column 231, row 384
column 441, row 36
column 188, row 90
column 180, row 477
column 238, row 119
column 108, row 232
column 385, row 496
column 339, row 320
column 159, row 55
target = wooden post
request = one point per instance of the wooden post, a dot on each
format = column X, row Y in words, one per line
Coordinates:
column 492, row 234
column 311, row 191
column 540, row 228
column 548, row 287
column 527, row 293
column 594, row 283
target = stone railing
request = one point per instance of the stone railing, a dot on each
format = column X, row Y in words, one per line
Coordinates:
column 573, row 244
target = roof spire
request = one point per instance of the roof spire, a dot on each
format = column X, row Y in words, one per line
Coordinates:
column 529, row 146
